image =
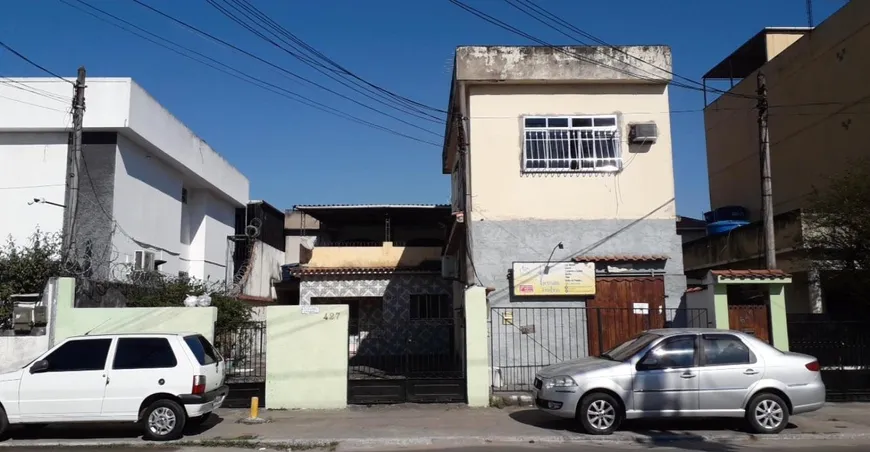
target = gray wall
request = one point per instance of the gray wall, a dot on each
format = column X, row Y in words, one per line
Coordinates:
column 93, row 221
column 497, row 244
column 539, row 336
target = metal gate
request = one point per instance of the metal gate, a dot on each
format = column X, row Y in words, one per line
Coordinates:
column 842, row 348
column 244, row 351
column 418, row 361
column 524, row 340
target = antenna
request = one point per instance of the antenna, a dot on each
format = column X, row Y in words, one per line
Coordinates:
column 92, row 329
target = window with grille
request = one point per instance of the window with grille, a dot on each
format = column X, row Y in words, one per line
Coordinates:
column 571, row 144
column 430, row 306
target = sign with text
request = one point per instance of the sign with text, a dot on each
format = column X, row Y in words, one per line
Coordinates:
column 555, row 278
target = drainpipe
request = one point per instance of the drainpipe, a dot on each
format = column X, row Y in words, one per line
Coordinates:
column 464, row 128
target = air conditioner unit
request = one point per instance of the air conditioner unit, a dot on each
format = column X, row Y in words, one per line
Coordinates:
column 144, row 260
column 643, row 133
column 449, row 267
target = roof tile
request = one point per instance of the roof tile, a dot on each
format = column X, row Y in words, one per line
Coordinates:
column 751, row 274
column 341, row 271
column 622, row 258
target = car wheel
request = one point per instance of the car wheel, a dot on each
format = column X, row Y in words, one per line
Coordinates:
column 164, row 420
column 4, row 423
column 767, row 413
column 599, row 414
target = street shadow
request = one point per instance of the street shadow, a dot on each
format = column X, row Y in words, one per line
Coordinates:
column 672, row 433
column 96, row 430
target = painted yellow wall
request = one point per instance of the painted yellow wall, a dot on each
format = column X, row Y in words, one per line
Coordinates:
column 809, row 143
column 372, row 256
column 777, row 42
column 307, row 365
column 503, row 192
column 71, row 321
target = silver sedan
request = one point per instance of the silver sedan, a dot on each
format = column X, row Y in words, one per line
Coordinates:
column 683, row 373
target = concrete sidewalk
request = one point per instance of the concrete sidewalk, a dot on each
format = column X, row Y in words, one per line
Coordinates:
column 415, row 425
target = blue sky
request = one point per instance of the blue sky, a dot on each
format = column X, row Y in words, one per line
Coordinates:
column 294, row 154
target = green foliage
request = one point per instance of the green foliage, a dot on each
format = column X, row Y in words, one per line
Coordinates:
column 27, row 268
column 838, row 234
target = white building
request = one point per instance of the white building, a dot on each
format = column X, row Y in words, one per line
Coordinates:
column 151, row 194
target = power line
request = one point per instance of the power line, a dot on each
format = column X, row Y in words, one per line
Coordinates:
column 260, row 59
column 544, row 12
column 35, row 91
column 504, row 25
column 233, row 72
column 341, row 68
column 32, row 63
column 318, row 67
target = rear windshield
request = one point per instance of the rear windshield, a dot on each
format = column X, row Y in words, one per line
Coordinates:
column 202, row 349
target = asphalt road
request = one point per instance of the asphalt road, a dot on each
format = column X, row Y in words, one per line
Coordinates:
column 763, row 446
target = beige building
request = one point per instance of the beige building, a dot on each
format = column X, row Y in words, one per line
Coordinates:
column 561, row 163
column 817, row 89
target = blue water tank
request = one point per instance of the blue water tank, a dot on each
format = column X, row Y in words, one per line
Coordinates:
column 723, row 227
column 727, row 213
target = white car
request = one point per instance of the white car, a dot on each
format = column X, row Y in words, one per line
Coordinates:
column 163, row 381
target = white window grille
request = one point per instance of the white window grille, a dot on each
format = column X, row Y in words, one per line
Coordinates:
column 143, row 260
column 571, row 144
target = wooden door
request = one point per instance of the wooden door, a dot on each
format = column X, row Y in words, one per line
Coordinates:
column 612, row 318
column 752, row 319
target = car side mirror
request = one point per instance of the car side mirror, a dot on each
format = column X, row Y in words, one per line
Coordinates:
column 39, row 366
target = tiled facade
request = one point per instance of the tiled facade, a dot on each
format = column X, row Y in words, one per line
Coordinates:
column 384, row 325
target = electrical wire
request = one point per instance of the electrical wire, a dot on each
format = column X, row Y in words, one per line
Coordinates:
column 33, row 90
column 33, row 63
column 545, row 13
column 256, row 57
column 233, row 72
column 504, row 25
column 299, row 47
column 317, row 67
column 333, row 63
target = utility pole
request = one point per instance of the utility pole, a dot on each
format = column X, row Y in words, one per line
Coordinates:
column 74, row 158
column 766, row 184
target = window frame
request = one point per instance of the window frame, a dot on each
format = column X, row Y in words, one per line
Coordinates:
column 432, row 299
column 118, row 350
column 695, row 362
column 109, row 350
column 617, row 139
column 753, row 359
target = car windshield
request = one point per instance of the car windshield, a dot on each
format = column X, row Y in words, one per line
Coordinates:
column 630, row 347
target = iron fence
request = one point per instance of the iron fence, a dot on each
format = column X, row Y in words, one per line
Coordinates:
column 419, row 348
column 244, row 350
column 842, row 348
column 523, row 340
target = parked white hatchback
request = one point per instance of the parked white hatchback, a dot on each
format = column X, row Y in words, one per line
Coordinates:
column 162, row 381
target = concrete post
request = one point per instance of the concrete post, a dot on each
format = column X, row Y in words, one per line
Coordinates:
column 778, row 319
column 477, row 347
column 720, row 306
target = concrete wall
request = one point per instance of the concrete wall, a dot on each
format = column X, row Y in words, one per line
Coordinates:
column 71, row 321
column 702, row 299
column 824, row 66
column 310, row 376
column 34, row 166
column 137, row 182
column 373, row 256
column 502, row 191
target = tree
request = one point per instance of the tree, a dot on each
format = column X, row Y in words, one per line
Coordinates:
column 837, row 231
column 26, row 268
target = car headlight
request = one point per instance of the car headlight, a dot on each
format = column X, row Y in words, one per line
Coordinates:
column 559, row 382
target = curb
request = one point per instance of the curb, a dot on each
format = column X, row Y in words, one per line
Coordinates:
column 369, row 443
